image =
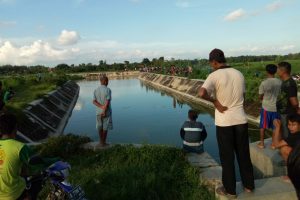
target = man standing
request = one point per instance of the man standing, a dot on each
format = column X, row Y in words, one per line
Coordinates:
column 225, row 88
column 268, row 92
column 287, row 101
column 102, row 98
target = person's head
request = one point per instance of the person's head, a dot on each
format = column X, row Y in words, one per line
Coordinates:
column 104, row 80
column 294, row 123
column 193, row 115
column 271, row 69
column 216, row 58
column 8, row 125
column 284, row 69
column 293, row 166
column 0, row 85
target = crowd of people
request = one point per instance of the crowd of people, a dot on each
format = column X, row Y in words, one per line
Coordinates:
column 225, row 88
column 172, row 70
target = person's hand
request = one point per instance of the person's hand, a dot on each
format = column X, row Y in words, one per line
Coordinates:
column 277, row 123
column 219, row 106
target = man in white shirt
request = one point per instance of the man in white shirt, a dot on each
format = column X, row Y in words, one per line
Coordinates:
column 225, row 88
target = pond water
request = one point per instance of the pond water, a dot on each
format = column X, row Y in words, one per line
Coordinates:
column 141, row 115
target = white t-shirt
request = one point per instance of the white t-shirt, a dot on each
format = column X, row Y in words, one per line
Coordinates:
column 228, row 86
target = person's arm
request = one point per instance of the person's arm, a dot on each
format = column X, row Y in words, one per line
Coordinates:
column 261, row 91
column 295, row 103
column 278, row 142
column 182, row 133
column 203, row 134
column 292, row 94
column 204, row 95
column 96, row 103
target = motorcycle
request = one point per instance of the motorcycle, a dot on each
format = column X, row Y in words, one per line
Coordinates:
column 60, row 189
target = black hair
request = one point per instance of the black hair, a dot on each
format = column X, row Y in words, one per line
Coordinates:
column 294, row 118
column 0, row 83
column 103, row 78
column 286, row 66
column 8, row 123
column 293, row 166
column 271, row 69
column 217, row 55
column 193, row 115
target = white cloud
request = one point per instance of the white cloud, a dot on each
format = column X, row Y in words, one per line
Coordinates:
column 68, row 37
column 263, row 50
column 235, row 15
column 274, row 6
column 183, row 4
column 38, row 52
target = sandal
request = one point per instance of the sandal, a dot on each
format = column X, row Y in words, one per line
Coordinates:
column 272, row 147
column 260, row 145
column 221, row 191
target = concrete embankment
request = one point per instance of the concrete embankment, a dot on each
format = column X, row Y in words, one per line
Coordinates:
column 49, row 115
column 268, row 164
column 110, row 75
column 186, row 88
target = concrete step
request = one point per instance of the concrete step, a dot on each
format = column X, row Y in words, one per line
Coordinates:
column 266, row 162
column 267, row 189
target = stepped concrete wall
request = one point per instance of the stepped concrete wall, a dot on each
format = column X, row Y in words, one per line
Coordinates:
column 186, row 88
column 49, row 115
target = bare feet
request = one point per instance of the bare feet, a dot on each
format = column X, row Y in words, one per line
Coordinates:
column 261, row 145
column 247, row 190
column 272, row 147
column 286, row 179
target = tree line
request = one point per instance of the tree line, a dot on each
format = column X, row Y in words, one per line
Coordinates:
column 126, row 65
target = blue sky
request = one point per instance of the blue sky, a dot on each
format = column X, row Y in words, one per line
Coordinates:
column 80, row 31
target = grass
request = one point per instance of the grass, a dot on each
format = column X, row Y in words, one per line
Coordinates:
column 28, row 88
column 126, row 172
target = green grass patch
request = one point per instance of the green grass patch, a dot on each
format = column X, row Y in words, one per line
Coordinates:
column 127, row 172
column 28, row 88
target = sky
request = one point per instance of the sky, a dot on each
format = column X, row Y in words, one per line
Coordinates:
column 50, row 32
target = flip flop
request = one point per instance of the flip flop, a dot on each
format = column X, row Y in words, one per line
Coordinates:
column 221, row 191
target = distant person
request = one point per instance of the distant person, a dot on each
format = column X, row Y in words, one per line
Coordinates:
column 102, row 101
column 225, row 88
column 286, row 145
column 8, row 95
column 193, row 134
column 293, row 168
column 268, row 92
column 287, row 101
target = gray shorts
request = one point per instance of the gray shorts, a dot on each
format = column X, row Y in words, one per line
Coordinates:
column 104, row 123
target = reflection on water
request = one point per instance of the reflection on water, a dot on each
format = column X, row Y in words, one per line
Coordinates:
column 141, row 114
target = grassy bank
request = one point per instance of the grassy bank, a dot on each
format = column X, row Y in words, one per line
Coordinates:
column 29, row 87
column 126, row 172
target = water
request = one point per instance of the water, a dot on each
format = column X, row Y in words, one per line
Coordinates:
column 140, row 115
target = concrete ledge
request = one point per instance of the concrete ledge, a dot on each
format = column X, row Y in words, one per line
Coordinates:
column 267, row 189
column 266, row 162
